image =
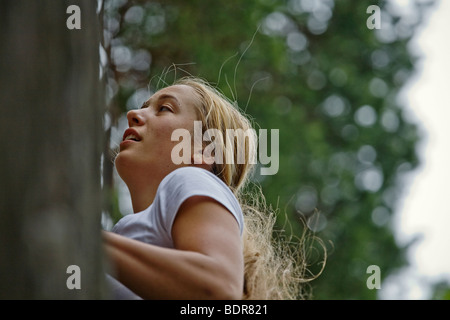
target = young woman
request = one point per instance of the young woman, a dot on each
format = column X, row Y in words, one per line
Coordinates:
column 192, row 235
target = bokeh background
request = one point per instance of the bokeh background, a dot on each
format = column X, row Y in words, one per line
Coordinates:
column 356, row 109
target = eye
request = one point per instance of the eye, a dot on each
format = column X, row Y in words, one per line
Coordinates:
column 165, row 108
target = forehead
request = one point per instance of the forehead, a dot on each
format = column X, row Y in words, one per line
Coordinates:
column 183, row 94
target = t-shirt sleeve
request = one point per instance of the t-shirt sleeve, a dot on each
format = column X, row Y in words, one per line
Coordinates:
column 187, row 182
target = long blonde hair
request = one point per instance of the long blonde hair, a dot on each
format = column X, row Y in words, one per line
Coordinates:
column 273, row 268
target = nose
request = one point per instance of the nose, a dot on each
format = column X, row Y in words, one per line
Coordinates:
column 135, row 118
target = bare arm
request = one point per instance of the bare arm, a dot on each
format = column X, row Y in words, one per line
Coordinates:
column 206, row 263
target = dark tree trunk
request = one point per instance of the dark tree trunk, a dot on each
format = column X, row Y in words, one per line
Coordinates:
column 51, row 143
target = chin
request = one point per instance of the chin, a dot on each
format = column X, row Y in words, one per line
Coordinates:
column 122, row 164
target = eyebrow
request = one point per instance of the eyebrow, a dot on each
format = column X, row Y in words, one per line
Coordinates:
column 162, row 97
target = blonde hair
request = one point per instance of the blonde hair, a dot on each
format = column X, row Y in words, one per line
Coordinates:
column 273, row 268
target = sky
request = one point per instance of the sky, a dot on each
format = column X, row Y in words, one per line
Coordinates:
column 424, row 212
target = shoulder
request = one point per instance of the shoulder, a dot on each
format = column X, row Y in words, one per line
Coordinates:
column 186, row 182
column 190, row 175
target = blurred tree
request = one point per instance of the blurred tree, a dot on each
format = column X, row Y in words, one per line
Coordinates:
column 51, row 133
column 312, row 69
column 441, row 290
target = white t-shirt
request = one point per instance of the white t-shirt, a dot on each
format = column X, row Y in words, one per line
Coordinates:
column 154, row 224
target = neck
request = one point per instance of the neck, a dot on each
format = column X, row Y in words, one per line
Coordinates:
column 142, row 195
column 141, row 201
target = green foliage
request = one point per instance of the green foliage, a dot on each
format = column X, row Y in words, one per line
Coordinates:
column 321, row 77
column 441, row 290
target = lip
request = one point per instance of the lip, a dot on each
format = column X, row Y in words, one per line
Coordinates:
column 133, row 132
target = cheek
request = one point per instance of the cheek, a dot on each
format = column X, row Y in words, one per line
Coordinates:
column 162, row 138
column 162, row 143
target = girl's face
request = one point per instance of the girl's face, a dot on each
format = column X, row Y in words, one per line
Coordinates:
column 146, row 146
